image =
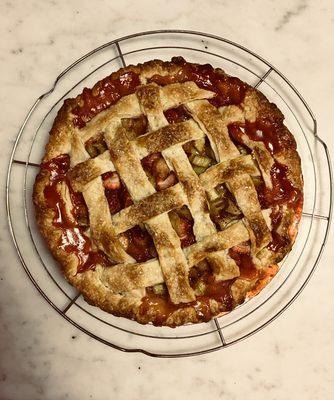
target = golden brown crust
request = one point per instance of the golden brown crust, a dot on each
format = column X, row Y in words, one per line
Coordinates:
column 168, row 136
column 120, row 291
column 86, row 171
column 209, row 119
column 60, row 134
column 195, row 193
column 149, row 207
column 227, row 170
column 245, row 194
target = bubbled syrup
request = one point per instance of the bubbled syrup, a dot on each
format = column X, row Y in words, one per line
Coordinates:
column 176, row 115
column 161, row 307
column 104, row 94
column 72, row 240
column 58, row 168
column 229, row 90
column 282, row 192
column 245, row 263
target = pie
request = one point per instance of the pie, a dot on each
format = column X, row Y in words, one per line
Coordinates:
column 169, row 192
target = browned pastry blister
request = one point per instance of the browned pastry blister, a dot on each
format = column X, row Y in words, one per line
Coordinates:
column 169, row 192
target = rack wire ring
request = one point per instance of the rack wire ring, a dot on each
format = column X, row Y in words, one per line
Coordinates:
column 121, row 55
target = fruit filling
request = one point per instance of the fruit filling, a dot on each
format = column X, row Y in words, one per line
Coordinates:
column 229, row 90
column 96, row 145
column 183, row 222
column 105, row 93
column 200, row 154
column 158, row 171
column 138, row 243
column 116, row 193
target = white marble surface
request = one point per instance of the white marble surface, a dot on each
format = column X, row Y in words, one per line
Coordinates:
column 44, row 357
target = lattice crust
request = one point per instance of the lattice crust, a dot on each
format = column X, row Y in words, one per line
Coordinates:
column 120, row 285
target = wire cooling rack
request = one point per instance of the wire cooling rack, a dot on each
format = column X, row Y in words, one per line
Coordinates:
column 296, row 269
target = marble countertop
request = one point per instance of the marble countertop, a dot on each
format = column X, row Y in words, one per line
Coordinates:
column 44, row 357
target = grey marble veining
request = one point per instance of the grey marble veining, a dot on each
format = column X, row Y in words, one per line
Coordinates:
column 44, row 357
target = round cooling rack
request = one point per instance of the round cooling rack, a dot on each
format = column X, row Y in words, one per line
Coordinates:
column 247, row 319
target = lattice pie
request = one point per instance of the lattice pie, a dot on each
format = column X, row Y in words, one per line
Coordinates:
column 169, row 192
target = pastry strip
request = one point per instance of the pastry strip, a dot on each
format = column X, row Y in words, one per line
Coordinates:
column 223, row 266
column 222, row 240
column 166, row 137
column 86, row 171
column 245, row 194
column 101, row 228
column 209, row 119
column 149, row 207
column 197, row 202
column 127, row 163
column 172, row 260
column 126, row 277
column 229, row 169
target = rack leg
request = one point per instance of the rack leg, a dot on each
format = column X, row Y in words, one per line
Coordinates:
column 220, row 333
column 120, row 54
column 263, row 77
column 70, row 304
